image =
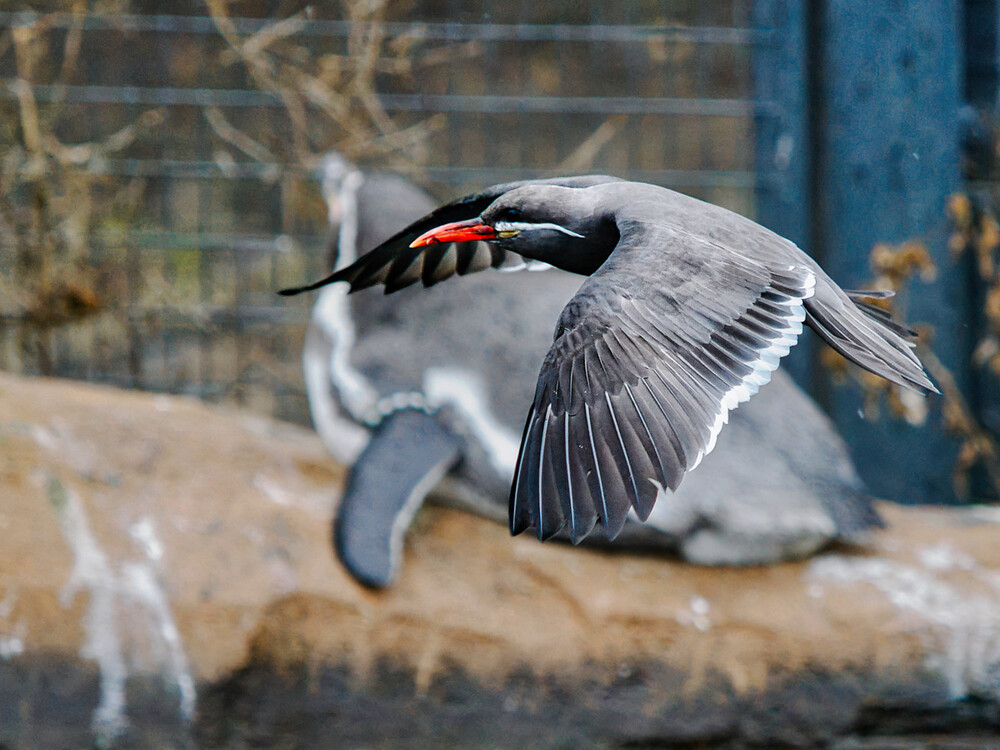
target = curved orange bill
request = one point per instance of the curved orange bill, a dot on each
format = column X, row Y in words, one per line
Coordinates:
column 458, row 231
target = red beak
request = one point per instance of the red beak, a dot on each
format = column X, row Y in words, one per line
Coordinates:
column 458, row 231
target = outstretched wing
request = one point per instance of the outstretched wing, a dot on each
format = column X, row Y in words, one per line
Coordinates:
column 650, row 356
column 396, row 265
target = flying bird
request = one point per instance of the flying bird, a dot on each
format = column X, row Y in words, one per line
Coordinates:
column 687, row 311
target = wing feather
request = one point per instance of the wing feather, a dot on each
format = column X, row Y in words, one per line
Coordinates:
column 397, row 265
column 641, row 377
column 587, row 492
column 518, row 512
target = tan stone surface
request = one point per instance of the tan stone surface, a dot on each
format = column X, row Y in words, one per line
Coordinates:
column 239, row 507
column 229, row 516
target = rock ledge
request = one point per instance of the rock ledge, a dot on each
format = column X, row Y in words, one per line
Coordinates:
column 166, row 579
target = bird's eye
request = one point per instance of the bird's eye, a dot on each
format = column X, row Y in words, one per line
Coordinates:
column 511, row 213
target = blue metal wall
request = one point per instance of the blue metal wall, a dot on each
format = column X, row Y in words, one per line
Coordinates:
column 871, row 94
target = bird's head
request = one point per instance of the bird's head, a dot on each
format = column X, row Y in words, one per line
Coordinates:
column 562, row 226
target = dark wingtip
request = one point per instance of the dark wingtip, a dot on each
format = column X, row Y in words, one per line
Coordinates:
column 518, row 526
column 292, row 291
column 614, row 527
column 921, row 384
column 549, row 533
column 582, row 529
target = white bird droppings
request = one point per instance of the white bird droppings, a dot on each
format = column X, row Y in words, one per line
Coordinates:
column 11, row 647
column 144, row 533
column 962, row 621
column 112, row 589
column 696, row 615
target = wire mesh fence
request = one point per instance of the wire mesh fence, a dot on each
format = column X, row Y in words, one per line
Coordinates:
column 158, row 158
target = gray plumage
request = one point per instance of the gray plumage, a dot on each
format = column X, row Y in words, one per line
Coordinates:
column 686, row 313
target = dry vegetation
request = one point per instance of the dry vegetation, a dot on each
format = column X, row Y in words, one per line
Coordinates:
column 78, row 282
column 53, row 194
column 67, row 219
column 330, row 100
column 976, row 235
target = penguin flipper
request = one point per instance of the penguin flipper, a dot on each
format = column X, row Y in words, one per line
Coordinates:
column 409, row 453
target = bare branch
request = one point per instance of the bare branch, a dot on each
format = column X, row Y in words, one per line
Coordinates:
column 235, row 137
column 29, row 115
column 257, row 44
column 586, row 153
column 74, row 38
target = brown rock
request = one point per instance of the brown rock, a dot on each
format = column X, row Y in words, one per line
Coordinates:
column 166, row 578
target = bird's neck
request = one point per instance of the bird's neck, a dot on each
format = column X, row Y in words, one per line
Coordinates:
column 581, row 255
